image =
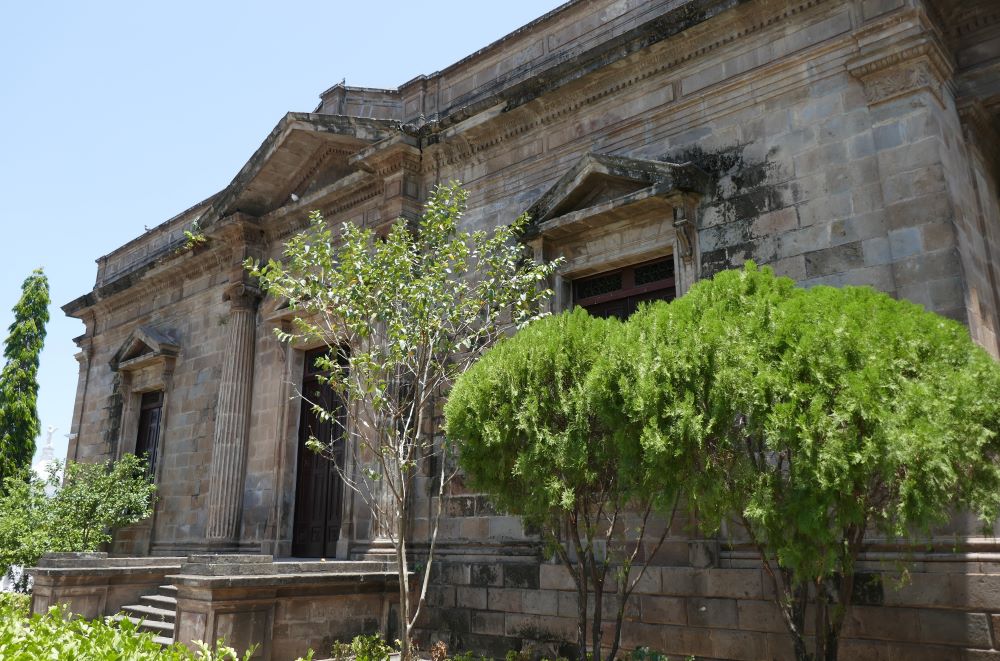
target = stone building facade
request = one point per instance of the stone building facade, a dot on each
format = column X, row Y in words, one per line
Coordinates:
column 839, row 141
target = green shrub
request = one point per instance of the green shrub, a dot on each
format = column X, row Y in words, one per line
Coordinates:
column 88, row 502
column 14, row 604
column 371, row 648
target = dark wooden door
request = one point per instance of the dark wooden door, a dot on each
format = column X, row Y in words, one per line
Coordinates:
column 148, row 439
column 319, row 490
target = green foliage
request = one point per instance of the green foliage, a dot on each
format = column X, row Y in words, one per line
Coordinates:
column 340, row 651
column 56, row 637
column 371, row 648
column 542, row 427
column 26, row 526
column 79, row 516
column 194, row 237
column 19, row 424
column 15, row 604
column 818, row 416
column 470, row 656
column 530, row 428
column 95, row 498
column 647, row 654
column 403, row 315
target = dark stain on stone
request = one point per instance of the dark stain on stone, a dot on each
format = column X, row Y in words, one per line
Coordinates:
column 521, row 576
column 868, row 590
column 740, row 193
column 483, row 575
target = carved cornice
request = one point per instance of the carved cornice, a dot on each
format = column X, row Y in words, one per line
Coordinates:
column 660, row 58
column 964, row 20
column 980, row 129
column 916, row 63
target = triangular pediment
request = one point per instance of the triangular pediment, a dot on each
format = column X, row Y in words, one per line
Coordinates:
column 144, row 345
column 601, row 180
column 303, row 152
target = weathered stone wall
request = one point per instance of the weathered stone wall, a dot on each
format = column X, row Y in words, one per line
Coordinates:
column 846, row 144
column 715, row 613
column 191, row 310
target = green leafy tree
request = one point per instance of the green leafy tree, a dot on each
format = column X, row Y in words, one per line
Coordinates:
column 542, row 427
column 402, row 315
column 19, row 424
column 94, row 499
column 823, row 417
column 86, row 505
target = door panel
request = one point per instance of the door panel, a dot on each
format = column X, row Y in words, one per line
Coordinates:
column 319, row 488
column 147, row 439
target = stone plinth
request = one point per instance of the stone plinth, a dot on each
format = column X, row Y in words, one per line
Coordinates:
column 93, row 585
column 285, row 608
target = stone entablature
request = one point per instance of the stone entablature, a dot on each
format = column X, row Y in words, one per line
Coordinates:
column 839, row 141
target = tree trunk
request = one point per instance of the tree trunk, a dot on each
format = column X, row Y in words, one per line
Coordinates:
column 581, row 612
column 404, row 590
column 596, row 631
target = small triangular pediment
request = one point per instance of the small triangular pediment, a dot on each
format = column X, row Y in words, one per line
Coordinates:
column 143, row 344
column 601, row 180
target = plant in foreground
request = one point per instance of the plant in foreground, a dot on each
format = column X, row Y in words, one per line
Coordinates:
column 541, row 426
column 819, row 418
column 402, row 316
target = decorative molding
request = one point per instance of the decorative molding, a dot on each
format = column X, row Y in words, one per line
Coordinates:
column 662, row 58
column 980, row 130
column 242, row 296
column 684, row 226
column 917, row 63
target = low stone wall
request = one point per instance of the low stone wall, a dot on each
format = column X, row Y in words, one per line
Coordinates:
column 286, row 608
column 947, row 610
column 93, row 585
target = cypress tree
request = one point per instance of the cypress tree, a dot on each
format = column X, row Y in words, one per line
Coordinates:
column 19, row 424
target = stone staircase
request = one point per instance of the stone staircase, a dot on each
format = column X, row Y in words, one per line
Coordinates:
column 155, row 613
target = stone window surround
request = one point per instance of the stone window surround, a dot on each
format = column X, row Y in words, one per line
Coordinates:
column 654, row 221
column 148, row 372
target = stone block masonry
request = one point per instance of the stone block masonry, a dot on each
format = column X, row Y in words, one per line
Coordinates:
column 841, row 142
column 716, row 613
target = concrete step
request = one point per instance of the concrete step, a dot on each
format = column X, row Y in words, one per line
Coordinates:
column 159, row 601
column 150, row 612
column 165, row 629
column 163, row 641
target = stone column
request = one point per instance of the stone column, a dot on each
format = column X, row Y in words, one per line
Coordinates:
column 232, row 416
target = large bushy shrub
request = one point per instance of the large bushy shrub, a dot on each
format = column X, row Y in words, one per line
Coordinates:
column 541, row 426
column 809, row 421
column 818, row 419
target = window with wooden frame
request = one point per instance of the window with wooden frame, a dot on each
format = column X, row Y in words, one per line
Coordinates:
column 618, row 293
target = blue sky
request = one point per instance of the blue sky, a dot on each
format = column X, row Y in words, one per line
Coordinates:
column 118, row 115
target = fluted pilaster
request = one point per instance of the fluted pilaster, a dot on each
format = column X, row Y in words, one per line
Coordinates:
column 232, row 416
